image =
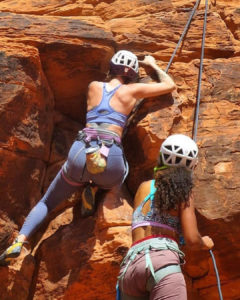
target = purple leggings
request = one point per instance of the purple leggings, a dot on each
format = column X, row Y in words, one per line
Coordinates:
column 73, row 175
column 171, row 287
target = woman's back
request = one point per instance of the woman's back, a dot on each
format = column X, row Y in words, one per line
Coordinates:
column 151, row 268
column 148, row 220
column 108, row 105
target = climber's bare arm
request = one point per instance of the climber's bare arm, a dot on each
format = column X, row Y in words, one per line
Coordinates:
column 164, row 86
column 190, row 229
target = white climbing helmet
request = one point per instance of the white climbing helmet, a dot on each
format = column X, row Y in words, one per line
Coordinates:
column 125, row 63
column 179, row 150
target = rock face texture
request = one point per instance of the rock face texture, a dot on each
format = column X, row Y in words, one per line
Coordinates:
column 50, row 51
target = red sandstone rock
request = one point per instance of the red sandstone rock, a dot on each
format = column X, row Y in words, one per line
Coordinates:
column 47, row 61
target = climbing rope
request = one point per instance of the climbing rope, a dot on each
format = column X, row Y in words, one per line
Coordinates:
column 217, row 275
column 185, row 30
column 195, row 127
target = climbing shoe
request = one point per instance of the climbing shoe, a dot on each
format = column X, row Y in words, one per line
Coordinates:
column 88, row 201
column 12, row 252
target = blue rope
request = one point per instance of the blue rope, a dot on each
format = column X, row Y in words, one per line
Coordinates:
column 196, row 126
column 118, row 295
column 217, row 275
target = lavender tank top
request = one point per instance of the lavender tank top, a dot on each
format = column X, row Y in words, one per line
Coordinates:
column 104, row 113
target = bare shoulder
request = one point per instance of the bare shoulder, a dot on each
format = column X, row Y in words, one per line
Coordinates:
column 151, row 89
column 132, row 86
column 145, row 185
column 136, row 90
column 142, row 191
column 94, row 88
column 94, row 84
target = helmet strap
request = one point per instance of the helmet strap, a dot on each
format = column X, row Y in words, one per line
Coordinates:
column 161, row 165
column 160, row 168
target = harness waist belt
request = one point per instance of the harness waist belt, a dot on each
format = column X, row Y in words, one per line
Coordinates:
column 152, row 237
column 89, row 134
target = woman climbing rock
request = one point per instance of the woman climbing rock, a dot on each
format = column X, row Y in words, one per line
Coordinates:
column 96, row 158
column 163, row 211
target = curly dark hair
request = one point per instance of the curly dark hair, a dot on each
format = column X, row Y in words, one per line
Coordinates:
column 173, row 186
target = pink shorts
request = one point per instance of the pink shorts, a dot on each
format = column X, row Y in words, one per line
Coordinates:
column 171, row 287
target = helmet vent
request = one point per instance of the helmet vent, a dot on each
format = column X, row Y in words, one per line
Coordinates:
column 169, row 147
column 188, row 162
column 195, row 152
column 190, row 154
column 166, row 156
column 129, row 62
column 178, row 159
column 180, row 151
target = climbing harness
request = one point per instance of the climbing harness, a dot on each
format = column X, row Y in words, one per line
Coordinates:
column 195, row 127
column 97, row 146
column 96, row 155
column 145, row 245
